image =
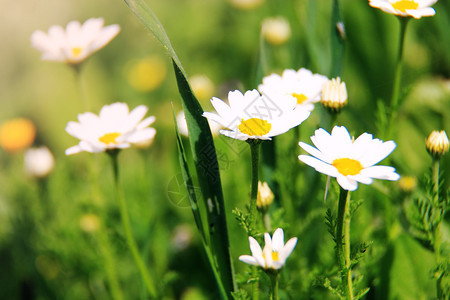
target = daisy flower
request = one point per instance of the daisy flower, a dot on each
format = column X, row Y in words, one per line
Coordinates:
column 114, row 128
column 406, row 8
column 350, row 161
column 437, row 143
column 255, row 116
column 74, row 44
column 302, row 85
column 274, row 254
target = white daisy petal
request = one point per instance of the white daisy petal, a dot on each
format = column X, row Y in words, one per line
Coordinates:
column 249, row 260
column 381, row 172
column 319, row 165
column 347, row 183
column 415, row 9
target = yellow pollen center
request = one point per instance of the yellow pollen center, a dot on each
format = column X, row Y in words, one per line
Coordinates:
column 274, row 256
column 76, row 51
column 347, row 166
column 109, row 138
column 403, row 5
column 300, row 98
column 255, row 127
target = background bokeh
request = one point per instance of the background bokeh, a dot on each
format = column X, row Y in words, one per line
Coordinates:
column 58, row 234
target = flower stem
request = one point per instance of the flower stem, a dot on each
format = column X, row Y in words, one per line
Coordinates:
column 437, row 228
column 397, row 76
column 274, row 287
column 254, row 149
column 343, row 248
column 127, row 229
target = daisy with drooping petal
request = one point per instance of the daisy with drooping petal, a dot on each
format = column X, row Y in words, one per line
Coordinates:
column 255, row 116
column 274, row 254
column 76, row 43
column 304, row 86
column 406, row 8
column 350, row 161
column 114, row 128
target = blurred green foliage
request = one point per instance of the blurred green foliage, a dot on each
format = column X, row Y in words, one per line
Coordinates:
column 47, row 253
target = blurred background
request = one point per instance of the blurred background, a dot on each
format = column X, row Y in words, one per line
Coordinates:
column 60, row 234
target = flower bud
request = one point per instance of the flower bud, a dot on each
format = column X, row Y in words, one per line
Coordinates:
column 334, row 95
column 437, row 143
column 265, row 196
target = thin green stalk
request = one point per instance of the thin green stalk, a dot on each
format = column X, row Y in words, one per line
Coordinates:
column 343, row 248
column 127, row 229
column 254, row 150
column 437, row 228
column 274, row 286
column 81, row 85
column 398, row 76
column 266, row 220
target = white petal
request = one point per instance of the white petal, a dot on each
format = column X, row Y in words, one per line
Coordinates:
column 381, row 172
column 319, row 165
column 278, row 240
column 249, row 260
column 377, row 152
column 146, row 122
column 314, row 152
column 256, row 250
column 347, row 183
column 287, row 249
column 235, row 135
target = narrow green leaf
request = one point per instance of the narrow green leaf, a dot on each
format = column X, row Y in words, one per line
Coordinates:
column 188, row 182
column 203, row 151
column 337, row 40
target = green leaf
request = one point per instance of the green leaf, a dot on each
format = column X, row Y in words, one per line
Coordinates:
column 337, row 40
column 203, row 152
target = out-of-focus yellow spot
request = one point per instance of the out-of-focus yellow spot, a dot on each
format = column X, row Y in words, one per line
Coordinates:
column 17, row 134
column 109, row 138
column 276, row 31
column 89, row 223
column 254, row 127
column 407, row 183
column 403, row 5
column 202, row 87
column 246, row 4
column 147, row 74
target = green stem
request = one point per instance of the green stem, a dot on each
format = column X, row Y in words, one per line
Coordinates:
column 343, row 248
column 266, row 221
column 127, row 229
column 437, row 228
column 397, row 76
column 274, row 287
column 254, row 149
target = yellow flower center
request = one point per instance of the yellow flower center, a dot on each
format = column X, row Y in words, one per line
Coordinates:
column 109, row 138
column 274, row 256
column 347, row 166
column 254, row 126
column 403, row 5
column 76, row 51
column 300, row 97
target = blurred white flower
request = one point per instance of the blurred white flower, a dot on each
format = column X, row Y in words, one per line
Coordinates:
column 276, row 31
column 38, row 162
column 350, row 161
column 274, row 254
column 252, row 116
column 183, row 129
column 406, row 8
column 74, row 44
column 114, row 128
column 304, row 86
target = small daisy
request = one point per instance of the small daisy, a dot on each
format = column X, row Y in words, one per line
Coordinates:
column 406, row 8
column 74, row 44
column 304, row 86
column 114, row 128
column 252, row 116
column 350, row 161
column 274, row 254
